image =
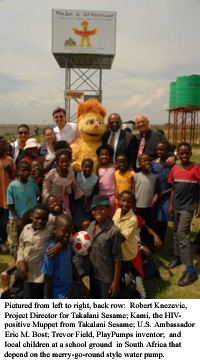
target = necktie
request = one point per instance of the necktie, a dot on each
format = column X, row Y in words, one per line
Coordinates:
column 142, row 145
column 112, row 141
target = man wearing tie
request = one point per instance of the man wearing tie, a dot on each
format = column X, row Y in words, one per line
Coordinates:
column 121, row 140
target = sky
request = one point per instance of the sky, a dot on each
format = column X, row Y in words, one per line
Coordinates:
column 156, row 41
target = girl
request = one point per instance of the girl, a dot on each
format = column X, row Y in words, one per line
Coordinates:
column 106, row 174
column 59, row 181
column 47, row 147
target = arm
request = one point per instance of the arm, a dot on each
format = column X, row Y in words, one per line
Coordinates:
column 155, row 197
column 114, row 288
column 170, row 211
column 46, row 187
column 198, row 208
column 18, row 221
column 21, row 265
column 48, row 285
column 164, row 193
column 48, row 164
column 85, row 291
column 157, row 241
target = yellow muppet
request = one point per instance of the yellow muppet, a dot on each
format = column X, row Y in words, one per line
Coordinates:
column 90, row 119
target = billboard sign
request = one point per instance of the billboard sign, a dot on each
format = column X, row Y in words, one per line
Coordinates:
column 83, row 32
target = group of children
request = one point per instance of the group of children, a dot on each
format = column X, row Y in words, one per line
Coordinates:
column 126, row 213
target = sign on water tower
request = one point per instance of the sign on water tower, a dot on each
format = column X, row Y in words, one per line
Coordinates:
column 84, row 35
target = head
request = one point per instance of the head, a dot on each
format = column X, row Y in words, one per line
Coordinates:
column 49, row 135
column 59, row 117
column 121, row 162
column 105, row 153
column 3, row 146
column 162, row 149
column 37, row 169
column 87, row 167
column 83, row 224
column 23, row 171
column 53, row 204
column 90, row 117
column 184, row 152
column 144, row 162
column 63, row 229
column 114, row 122
column 27, row 217
column 127, row 201
column 63, row 160
column 142, row 123
column 31, row 148
column 9, row 150
column 40, row 216
column 100, row 208
column 60, row 145
column 23, row 133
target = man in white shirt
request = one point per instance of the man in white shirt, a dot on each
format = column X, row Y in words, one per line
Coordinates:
column 64, row 130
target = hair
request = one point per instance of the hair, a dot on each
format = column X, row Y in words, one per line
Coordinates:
column 107, row 147
column 41, row 206
column 121, row 155
column 166, row 143
column 58, row 109
column 3, row 143
column 184, row 144
column 50, row 196
column 87, row 160
column 25, row 163
column 161, row 131
column 26, row 217
column 80, row 222
column 63, row 217
column 91, row 105
column 143, row 155
column 47, row 128
column 23, row 126
column 143, row 115
column 60, row 144
column 130, row 193
column 63, row 152
column 114, row 113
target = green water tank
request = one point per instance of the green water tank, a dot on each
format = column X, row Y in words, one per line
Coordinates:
column 188, row 91
column 172, row 95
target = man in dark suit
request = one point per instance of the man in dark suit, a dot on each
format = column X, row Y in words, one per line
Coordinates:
column 121, row 140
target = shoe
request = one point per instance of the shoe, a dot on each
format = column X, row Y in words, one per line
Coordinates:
column 174, row 263
column 187, row 279
column 139, row 286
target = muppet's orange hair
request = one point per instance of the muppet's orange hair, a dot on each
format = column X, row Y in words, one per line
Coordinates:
column 91, row 105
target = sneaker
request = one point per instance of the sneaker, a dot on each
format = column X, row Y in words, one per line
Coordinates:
column 187, row 279
column 175, row 262
column 139, row 286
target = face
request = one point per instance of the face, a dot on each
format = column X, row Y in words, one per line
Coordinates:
column 32, row 152
column 161, row 150
column 184, row 153
column 91, row 126
column 39, row 219
column 126, row 203
column 104, row 156
column 87, row 168
column 23, row 134
column 85, row 224
column 49, row 136
column 145, row 163
column 142, row 123
column 36, row 165
column 53, row 204
column 60, row 119
column 114, row 122
column 100, row 213
column 63, row 163
column 122, row 163
column 63, row 231
column 23, row 173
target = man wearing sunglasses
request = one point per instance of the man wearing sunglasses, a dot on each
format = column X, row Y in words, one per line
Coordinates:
column 121, row 140
column 18, row 145
column 64, row 130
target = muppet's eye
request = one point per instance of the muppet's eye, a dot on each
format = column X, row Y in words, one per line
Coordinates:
column 100, row 122
column 90, row 122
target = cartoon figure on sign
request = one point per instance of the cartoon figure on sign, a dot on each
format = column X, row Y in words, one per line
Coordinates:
column 84, row 34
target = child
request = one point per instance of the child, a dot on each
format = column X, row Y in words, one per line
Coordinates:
column 30, row 151
column 21, row 195
column 37, row 173
column 87, row 182
column 162, row 170
column 30, row 255
column 145, row 188
column 55, row 208
column 106, row 175
column 106, row 252
column 123, row 175
column 125, row 219
column 184, row 200
column 7, row 174
column 60, row 181
column 81, row 262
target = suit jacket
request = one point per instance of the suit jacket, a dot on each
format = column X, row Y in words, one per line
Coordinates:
column 127, row 144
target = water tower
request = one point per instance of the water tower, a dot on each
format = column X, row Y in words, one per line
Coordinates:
column 83, row 43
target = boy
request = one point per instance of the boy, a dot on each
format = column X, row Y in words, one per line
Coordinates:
column 106, row 252
column 32, row 245
column 21, row 196
column 145, row 188
column 123, row 175
column 162, row 170
column 184, row 200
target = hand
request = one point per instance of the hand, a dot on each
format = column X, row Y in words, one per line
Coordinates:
column 114, row 289
column 157, row 241
column 22, row 269
column 19, row 223
column 171, row 211
column 53, row 250
column 154, row 201
column 170, row 160
column 197, row 215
